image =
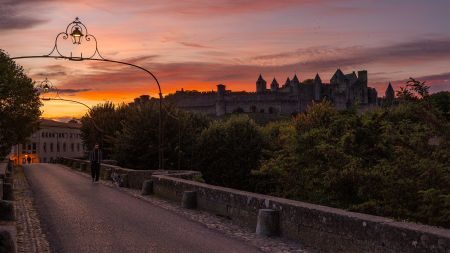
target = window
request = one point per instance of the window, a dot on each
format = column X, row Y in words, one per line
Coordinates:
column 29, row 148
column 44, row 147
column 43, row 134
column 72, row 147
column 57, row 147
column 64, row 147
column 78, row 147
column 51, row 147
column 34, row 148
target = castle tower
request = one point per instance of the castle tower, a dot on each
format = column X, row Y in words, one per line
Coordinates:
column 295, row 85
column 220, row 101
column 317, row 88
column 390, row 94
column 274, row 85
column 261, row 85
column 362, row 78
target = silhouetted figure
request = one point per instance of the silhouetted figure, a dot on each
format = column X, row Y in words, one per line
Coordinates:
column 29, row 160
column 95, row 157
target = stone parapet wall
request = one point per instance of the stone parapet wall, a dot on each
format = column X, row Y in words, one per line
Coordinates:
column 133, row 178
column 327, row 229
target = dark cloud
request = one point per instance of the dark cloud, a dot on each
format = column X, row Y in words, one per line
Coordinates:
column 202, row 8
column 72, row 91
column 437, row 82
column 403, row 53
column 19, row 14
column 188, row 44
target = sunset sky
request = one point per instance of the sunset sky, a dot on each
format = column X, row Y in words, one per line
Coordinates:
column 198, row 44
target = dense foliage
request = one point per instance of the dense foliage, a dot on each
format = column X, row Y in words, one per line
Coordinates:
column 130, row 134
column 19, row 105
column 101, row 124
column 392, row 162
column 229, row 150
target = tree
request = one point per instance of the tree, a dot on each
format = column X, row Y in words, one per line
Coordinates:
column 229, row 150
column 100, row 125
column 19, row 105
column 414, row 90
column 137, row 142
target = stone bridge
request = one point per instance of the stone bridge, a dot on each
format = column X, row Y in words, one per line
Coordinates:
column 316, row 228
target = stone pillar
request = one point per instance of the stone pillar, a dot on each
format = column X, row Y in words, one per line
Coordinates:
column 268, row 222
column 147, row 187
column 124, row 178
column 189, row 199
column 7, row 210
column 106, row 174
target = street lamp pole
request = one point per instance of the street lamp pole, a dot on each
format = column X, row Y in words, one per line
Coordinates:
column 76, row 30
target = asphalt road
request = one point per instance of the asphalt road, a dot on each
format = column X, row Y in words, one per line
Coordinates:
column 79, row 216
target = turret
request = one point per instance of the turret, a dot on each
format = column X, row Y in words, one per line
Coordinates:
column 261, row 85
column 221, row 91
column 337, row 77
column 274, row 85
column 287, row 83
column 317, row 88
column 295, row 85
column 390, row 94
column 362, row 78
column 220, row 101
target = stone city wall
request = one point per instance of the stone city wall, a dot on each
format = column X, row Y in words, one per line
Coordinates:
column 327, row 229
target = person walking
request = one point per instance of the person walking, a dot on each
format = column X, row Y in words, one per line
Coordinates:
column 95, row 157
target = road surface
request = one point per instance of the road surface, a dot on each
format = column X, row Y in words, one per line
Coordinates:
column 80, row 216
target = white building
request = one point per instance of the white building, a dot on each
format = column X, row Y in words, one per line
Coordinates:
column 53, row 139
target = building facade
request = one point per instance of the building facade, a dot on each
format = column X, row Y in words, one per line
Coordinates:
column 294, row 96
column 52, row 140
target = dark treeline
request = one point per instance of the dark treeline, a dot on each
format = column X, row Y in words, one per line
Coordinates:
column 19, row 105
column 392, row 161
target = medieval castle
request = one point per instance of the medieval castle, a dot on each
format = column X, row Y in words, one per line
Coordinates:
column 293, row 96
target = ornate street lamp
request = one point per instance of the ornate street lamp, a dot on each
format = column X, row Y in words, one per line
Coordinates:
column 46, row 87
column 77, row 31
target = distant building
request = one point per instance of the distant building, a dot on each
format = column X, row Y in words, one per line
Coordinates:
column 52, row 140
column 344, row 90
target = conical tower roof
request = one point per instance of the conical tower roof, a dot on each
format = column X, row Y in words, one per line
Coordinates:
column 317, row 79
column 295, row 79
column 274, row 82
column 288, row 82
column 260, row 78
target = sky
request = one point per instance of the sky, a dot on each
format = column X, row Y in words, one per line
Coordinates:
column 198, row 44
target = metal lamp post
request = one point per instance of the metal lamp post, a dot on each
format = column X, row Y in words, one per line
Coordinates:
column 77, row 31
